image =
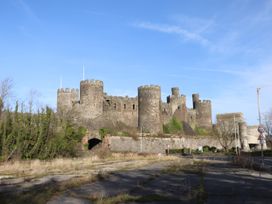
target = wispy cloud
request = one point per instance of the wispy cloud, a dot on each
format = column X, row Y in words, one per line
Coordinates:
column 240, row 95
column 174, row 29
column 221, row 70
column 27, row 10
column 194, row 24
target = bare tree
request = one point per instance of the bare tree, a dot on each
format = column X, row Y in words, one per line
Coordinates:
column 5, row 91
column 33, row 100
column 225, row 133
column 1, row 107
column 267, row 122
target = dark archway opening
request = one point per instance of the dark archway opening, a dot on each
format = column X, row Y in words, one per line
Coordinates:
column 93, row 142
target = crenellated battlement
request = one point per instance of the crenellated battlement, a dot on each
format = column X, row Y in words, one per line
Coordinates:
column 150, row 87
column 206, row 102
column 93, row 82
column 68, row 90
column 122, row 98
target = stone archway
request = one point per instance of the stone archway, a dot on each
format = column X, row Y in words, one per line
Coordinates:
column 93, row 142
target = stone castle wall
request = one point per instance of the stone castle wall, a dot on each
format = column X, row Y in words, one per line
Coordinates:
column 146, row 111
column 158, row 145
column 120, row 104
column 66, row 99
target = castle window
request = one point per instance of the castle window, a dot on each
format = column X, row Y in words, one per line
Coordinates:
column 114, row 106
column 179, row 107
column 125, row 106
column 133, row 106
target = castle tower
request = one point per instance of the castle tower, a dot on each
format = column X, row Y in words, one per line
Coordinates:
column 149, row 117
column 195, row 100
column 175, row 91
column 91, row 98
column 203, row 112
column 66, row 99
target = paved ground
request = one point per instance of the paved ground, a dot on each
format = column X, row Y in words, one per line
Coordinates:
column 216, row 182
column 186, row 181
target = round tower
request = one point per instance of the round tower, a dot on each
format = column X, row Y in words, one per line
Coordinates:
column 204, row 114
column 91, row 98
column 195, row 100
column 149, row 117
column 175, row 91
column 66, row 99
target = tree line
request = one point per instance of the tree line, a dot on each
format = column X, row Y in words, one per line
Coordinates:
column 42, row 134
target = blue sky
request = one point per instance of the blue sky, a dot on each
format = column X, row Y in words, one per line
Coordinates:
column 220, row 49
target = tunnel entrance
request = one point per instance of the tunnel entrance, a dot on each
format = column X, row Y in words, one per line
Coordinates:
column 93, row 142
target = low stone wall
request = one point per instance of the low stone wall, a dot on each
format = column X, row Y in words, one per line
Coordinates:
column 158, row 145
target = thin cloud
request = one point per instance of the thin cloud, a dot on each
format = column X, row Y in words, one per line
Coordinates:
column 195, row 24
column 224, row 71
column 27, row 10
column 173, row 29
column 240, row 95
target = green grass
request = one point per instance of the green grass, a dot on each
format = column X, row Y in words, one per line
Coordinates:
column 204, row 131
column 124, row 198
column 173, row 127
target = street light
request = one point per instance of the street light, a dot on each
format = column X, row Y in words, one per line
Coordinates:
column 260, row 128
column 258, row 103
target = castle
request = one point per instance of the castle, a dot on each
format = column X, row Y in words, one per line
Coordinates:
column 146, row 111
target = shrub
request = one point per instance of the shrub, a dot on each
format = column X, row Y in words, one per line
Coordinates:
column 103, row 132
column 202, row 131
column 175, row 151
column 213, row 149
column 173, row 127
column 206, row 148
column 43, row 135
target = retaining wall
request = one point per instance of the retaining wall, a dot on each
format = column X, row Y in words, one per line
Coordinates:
column 158, row 145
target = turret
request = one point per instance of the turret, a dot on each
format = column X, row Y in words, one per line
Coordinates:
column 91, row 98
column 149, row 117
column 66, row 98
column 175, row 91
column 203, row 112
column 195, row 100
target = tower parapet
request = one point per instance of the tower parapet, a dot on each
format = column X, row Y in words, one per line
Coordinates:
column 66, row 98
column 91, row 98
column 175, row 91
column 149, row 117
column 203, row 111
column 195, row 100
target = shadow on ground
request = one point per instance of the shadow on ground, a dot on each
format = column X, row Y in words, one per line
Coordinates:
column 216, row 182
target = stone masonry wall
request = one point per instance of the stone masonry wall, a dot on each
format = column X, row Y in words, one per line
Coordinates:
column 158, row 145
column 91, row 105
column 91, row 98
column 149, row 100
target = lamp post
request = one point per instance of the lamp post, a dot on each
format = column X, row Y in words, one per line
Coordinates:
column 260, row 128
column 258, row 104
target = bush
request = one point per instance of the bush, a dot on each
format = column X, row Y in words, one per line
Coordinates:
column 43, row 135
column 206, row 148
column 175, row 151
column 213, row 149
column 103, row 132
column 202, row 131
column 173, row 127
